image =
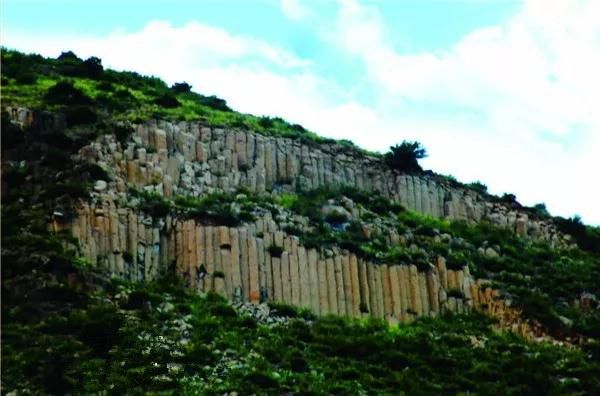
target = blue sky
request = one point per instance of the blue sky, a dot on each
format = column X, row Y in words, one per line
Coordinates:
column 504, row 92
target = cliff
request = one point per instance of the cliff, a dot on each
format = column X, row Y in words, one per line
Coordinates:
column 190, row 159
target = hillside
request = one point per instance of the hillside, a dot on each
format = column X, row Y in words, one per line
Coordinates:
column 134, row 213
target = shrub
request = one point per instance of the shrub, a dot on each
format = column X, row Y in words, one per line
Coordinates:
column 479, row 187
column 404, row 157
column 336, row 217
column 92, row 68
column 167, row 101
column 540, row 210
column 215, row 103
column 266, row 122
column 181, row 87
column 122, row 133
column 127, row 257
column 80, row 115
column 275, row 251
column 68, row 56
column 64, row 93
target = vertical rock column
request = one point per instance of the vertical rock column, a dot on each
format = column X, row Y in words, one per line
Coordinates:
column 365, row 297
column 331, row 286
column 236, row 271
column 305, row 284
column 355, row 285
column 415, row 292
column 347, row 282
column 339, row 281
column 253, row 272
column 323, row 287
column 313, row 272
column 395, row 292
column 387, row 292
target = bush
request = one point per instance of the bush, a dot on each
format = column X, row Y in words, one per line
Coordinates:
column 92, row 68
column 479, row 187
column 64, row 93
column 275, row 251
column 181, row 87
column 80, row 115
column 167, row 101
column 215, row 103
column 404, row 157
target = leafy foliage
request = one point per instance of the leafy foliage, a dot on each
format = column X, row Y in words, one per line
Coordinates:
column 50, row 84
column 404, row 157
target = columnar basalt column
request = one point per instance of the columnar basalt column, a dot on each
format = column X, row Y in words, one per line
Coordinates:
column 424, row 294
column 433, row 286
column 339, row 281
column 313, row 273
column 304, row 277
column 354, row 279
column 347, row 282
column 323, row 290
column 415, row 293
column 236, row 274
column 387, row 292
column 262, row 269
column 277, row 279
column 294, row 271
column 331, row 286
column 253, row 275
column 395, row 292
column 285, row 277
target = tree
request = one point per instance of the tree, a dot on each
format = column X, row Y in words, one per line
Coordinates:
column 181, row 87
column 92, row 67
column 404, row 157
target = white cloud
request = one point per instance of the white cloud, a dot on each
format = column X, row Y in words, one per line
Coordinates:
column 294, row 9
column 523, row 92
column 511, row 105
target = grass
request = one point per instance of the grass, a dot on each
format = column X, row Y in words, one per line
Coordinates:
column 128, row 96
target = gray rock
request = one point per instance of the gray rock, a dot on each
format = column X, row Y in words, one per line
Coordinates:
column 100, row 185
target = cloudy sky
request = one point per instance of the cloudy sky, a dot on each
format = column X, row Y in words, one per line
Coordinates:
column 504, row 92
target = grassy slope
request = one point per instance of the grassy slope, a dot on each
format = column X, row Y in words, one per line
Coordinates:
column 61, row 333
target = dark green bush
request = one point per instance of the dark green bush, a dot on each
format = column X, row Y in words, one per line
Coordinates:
column 64, row 93
column 275, row 251
column 479, row 187
column 181, row 87
column 167, row 101
column 404, row 157
column 80, row 115
column 215, row 103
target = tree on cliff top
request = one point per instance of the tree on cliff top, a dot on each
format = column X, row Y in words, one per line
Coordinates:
column 404, row 157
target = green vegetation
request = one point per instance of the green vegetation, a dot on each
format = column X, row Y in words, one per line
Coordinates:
column 160, row 338
column 404, row 157
column 52, row 84
column 544, row 281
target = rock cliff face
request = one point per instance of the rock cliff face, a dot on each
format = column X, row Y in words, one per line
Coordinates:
column 187, row 158
column 237, row 263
